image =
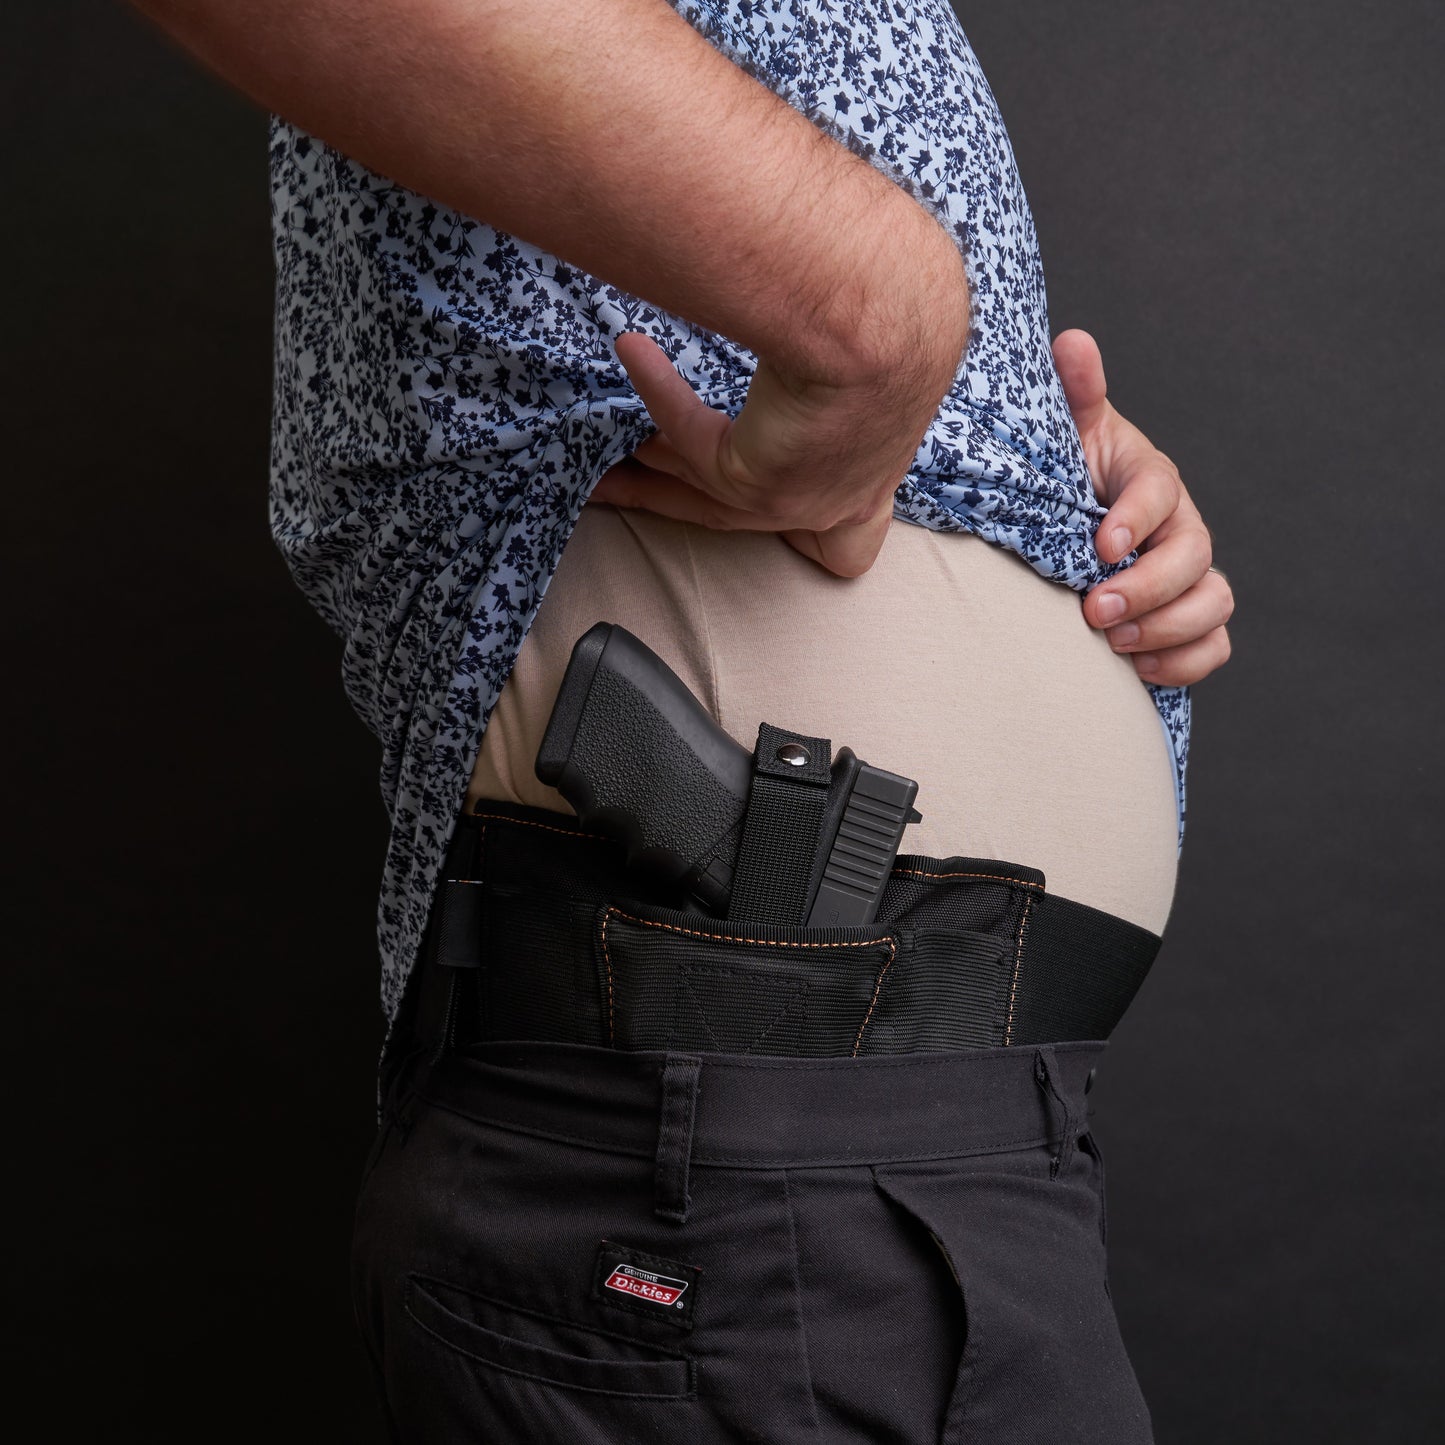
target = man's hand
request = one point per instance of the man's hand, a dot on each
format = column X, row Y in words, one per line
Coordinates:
column 1170, row 608
column 815, row 460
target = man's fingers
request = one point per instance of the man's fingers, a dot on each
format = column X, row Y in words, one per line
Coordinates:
column 1169, row 609
column 659, row 454
column 1189, row 663
column 1205, row 606
column 630, row 484
column 848, row 550
column 1166, row 571
column 1147, row 498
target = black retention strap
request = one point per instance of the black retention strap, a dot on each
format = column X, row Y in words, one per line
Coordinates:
column 786, row 804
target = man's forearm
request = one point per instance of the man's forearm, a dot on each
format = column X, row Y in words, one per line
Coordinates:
column 609, row 133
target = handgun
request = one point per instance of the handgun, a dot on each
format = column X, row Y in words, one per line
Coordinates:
column 642, row 761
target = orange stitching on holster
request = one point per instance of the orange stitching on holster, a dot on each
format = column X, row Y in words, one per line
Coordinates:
column 992, row 877
column 1018, row 966
column 877, row 989
column 607, row 957
column 762, row 942
column 890, row 939
column 546, row 827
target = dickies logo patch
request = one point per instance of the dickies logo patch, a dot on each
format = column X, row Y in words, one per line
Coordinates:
column 640, row 1284
column 646, row 1284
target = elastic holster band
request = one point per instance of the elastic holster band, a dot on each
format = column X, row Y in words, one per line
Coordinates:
column 786, row 804
column 550, row 935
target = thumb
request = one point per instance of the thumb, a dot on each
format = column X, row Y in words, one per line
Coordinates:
column 691, row 432
column 1081, row 369
column 670, row 401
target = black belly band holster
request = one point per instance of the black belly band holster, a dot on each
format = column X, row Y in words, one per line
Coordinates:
column 538, row 931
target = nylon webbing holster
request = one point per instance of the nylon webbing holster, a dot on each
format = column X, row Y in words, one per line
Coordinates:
column 786, row 805
column 540, row 931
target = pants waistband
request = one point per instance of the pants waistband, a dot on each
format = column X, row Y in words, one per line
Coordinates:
column 769, row 1113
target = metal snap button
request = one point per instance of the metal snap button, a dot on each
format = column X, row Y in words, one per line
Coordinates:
column 793, row 754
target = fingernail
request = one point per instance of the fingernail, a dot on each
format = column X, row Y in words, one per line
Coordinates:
column 1111, row 606
column 1146, row 663
column 1121, row 539
column 1124, row 635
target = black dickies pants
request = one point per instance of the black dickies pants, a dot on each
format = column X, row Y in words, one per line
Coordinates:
column 563, row 1242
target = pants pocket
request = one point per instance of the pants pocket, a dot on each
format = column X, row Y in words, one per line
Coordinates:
column 462, row 1367
column 1042, row 1355
column 530, row 1346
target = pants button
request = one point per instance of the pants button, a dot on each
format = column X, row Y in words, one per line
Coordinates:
column 1089, row 1082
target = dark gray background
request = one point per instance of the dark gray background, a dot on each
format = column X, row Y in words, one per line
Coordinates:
column 1243, row 202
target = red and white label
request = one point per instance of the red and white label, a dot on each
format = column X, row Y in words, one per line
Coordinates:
column 637, row 1283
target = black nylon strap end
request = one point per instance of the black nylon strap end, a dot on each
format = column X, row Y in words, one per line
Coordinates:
column 459, row 934
column 786, row 805
column 459, row 924
column 793, row 757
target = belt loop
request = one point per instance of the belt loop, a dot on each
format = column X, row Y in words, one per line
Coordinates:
column 681, row 1074
column 1047, row 1076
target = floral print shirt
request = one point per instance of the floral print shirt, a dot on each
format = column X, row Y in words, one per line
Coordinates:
column 446, row 395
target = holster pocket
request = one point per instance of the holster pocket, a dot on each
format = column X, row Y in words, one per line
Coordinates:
column 1042, row 1351
column 675, row 980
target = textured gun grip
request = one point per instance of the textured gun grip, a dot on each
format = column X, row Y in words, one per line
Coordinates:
column 640, row 759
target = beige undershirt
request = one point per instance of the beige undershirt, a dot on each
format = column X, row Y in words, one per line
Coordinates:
column 950, row 661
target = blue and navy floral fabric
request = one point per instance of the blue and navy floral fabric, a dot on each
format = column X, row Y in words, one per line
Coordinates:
column 446, row 396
